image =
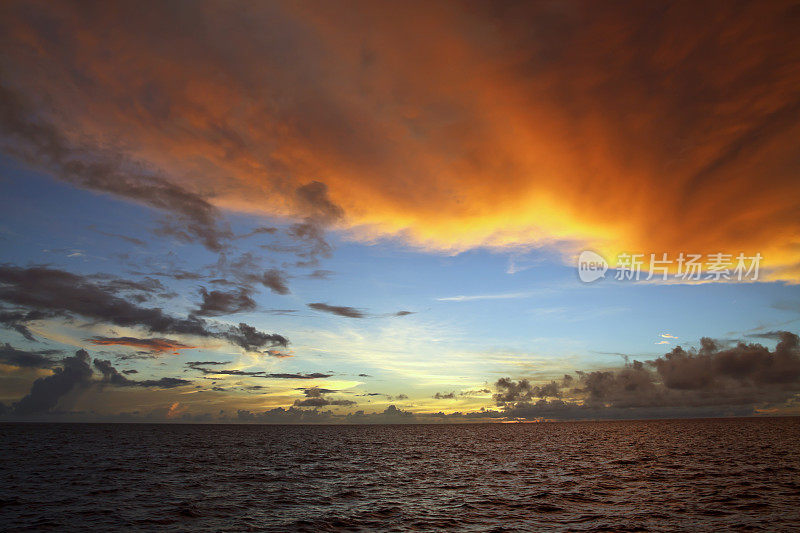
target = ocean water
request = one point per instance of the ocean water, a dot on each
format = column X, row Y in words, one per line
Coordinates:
column 714, row 475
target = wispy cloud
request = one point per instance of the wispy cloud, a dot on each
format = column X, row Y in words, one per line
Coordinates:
column 497, row 296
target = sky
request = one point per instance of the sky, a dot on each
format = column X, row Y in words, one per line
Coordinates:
column 370, row 212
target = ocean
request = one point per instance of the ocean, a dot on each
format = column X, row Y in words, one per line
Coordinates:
column 666, row 475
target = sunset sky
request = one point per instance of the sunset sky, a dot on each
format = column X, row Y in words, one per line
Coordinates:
column 372, row 212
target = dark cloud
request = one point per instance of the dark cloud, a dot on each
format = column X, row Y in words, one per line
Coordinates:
column 745, row 364
column 312, row 236
column 113, row 377
column 45, row 392
column 200, row 366
column 390, row 415
column 352, row 312
column 445, row 396
column 769, row 335
column 31, row 137
column 143, row 287
column 321, row 212
column 313, row 199
column 275, row 280
column 246, row 272
column 340, row 310
column 316, row 397
column 16, row 321
column 56, row 292
column 316, row 392
column 292, row 415
column 321, row 402
column 216, row 303
column 251, row 339
column 706, row 380
column 474, row 392
column 22, row 358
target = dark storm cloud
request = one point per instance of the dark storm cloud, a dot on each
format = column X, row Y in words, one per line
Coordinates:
column 709, row 380
column 251, row 339
column 25, row 359
column 29, row 136
column 45, row 392
column 57, row 292
column 217, row 303
column 340, row 310
column 745, row 364
column 113, row 377
column 444, row 395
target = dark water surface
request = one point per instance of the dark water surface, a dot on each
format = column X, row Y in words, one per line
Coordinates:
column 734, row 474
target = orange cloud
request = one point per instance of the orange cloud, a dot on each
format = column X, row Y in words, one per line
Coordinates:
column 654, row 128
column 154, row 345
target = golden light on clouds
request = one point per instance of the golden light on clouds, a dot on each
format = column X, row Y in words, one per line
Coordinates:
column 643, row 127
